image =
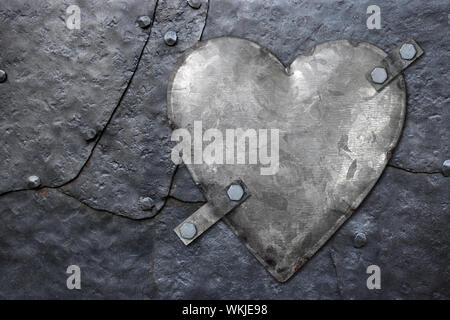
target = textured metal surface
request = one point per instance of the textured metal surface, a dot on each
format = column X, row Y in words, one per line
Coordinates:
column 61, row 83
column 394, row 63
column 405, row 216
column 337, row 134
column 132, row 158
column 217, row 207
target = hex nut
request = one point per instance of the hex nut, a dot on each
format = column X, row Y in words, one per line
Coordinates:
column 379, row 75
column 3, row 76
column 235, row 192
column 170, row 38
column 33, row 182
column 146, row 203
column 408, row 51
column 359, row 240
column 188, row 230
column 446, row 168
column 144, row 21
column 195, row 4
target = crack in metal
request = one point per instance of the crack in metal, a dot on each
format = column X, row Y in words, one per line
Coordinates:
column 99, row 136
column 206, row 20
column 338, row 288
column 411, row 170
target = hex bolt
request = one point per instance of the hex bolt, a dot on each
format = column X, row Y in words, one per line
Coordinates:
column 3, row 76
column 146, row 203
column 235, row 192
column 188, row 230
column 379, row 75
column 359, row 240
column 33, row 182
column 170, row 38
column 408, row 51
column 144, row 21
column 195, row 4
column 446, row 168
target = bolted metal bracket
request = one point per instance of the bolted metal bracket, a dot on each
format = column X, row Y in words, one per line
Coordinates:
column 394, row 63
column 205, row 217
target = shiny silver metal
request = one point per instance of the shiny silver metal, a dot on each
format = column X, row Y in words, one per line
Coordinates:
column 235, row 192
column 407, row 51
column 337, row 134
column 379, row 75
column 217, row 207
column 188, row 230
column 394, row 63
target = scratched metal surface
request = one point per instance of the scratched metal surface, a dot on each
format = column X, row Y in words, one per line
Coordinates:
column 336, row 135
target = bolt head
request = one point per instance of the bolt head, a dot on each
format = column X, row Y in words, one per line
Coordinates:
column 3, row 76
column 379, row 75
column 446, row 168
column 144, row 21
column 408, row 51
column 33, row 182
column 146, row 203
column 235, row 192
column 188, row 230
column 170, row 38
column 359, row 240
column 195, row 4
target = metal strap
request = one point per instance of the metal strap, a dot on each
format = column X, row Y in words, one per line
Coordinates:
column 395, row 62
column 211, row 212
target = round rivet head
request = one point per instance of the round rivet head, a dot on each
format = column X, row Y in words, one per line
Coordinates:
column 33, row 182
column 446, row 168
column 146, row 203
column 379, row 75
column 195, row 4
column 89, row 134
column 3, row 76
column 235, row 192
column 188, row 230
column 170, row 38
column 144, row 21
column 359, row 240
column 407, row 51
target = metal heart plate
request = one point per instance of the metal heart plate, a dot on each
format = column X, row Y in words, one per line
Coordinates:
column 336, row 136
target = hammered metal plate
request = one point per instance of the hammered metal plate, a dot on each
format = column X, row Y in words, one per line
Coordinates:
column 336, row 136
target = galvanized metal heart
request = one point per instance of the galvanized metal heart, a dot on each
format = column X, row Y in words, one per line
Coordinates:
column 336, row 134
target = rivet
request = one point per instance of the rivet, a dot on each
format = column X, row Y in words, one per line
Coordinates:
column 188, row 230
column 90, row 134
column 446, row 168
column 33, row 182
column 235, row 192
column 359, row 240
column 144, row 21
column 3, row 76
column 170, row 38
column 408, row 51
column 195, row 4
column 379, row 75
column 146, row 203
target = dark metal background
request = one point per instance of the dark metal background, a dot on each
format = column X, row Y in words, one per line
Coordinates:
column 111, row 76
